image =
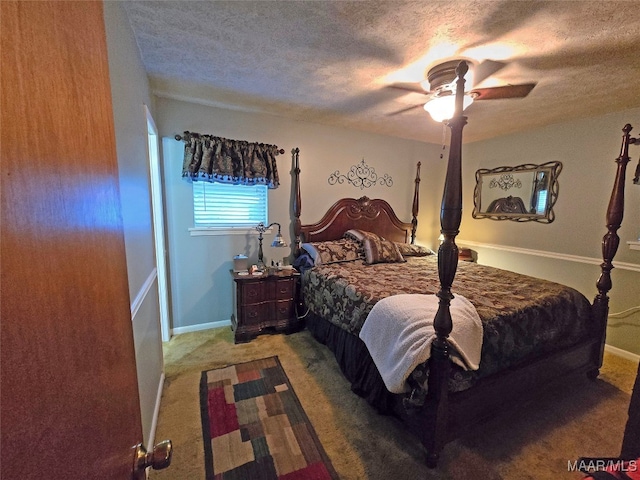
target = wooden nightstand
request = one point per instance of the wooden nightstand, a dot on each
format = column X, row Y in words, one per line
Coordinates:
column 264, row 304
column 465, row 255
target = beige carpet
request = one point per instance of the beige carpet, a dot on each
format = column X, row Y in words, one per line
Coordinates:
column 534, row 440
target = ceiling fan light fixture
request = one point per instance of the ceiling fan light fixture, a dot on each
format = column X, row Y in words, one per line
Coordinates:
column 442, row 108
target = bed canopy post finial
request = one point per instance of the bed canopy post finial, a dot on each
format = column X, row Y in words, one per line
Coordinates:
column 611, row 240
column 416, row 204
column 297, row 202
column 450, row 219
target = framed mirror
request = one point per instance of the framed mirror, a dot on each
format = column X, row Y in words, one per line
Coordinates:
column 526, row 193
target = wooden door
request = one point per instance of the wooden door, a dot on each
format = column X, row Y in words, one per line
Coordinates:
column 69, row 395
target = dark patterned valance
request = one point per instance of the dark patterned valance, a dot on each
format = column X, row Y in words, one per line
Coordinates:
column 214, row 159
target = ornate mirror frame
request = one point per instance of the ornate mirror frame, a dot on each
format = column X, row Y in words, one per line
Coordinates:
column 537, row 183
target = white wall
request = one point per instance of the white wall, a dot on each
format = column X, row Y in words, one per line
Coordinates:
column 130, row 92
column 569, row 249
column 200, row 281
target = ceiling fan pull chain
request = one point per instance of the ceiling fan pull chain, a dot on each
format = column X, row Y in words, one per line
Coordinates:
column 444, row 138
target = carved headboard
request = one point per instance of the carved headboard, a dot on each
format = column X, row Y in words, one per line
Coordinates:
column 375, row 216
column 365, row 214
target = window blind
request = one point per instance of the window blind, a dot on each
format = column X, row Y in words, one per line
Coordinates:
column 541, row 208
column 225, row 205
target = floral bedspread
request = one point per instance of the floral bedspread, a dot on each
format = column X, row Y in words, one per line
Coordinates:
column 521, row 315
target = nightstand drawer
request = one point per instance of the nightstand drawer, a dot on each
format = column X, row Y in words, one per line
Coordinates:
column 253, row 292
column 285, row 309
column 254, row 314
column 284, row 289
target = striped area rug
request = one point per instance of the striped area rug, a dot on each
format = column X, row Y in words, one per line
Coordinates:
column 255, row 428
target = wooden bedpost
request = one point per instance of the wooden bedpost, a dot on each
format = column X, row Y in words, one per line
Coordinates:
column 297, row 202
column 416, row 204
column 611, row 241
column 450, row 218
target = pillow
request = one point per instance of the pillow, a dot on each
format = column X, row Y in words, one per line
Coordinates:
column 376, row 249
column 333, row 251
column 412, row 250
column 356, row 234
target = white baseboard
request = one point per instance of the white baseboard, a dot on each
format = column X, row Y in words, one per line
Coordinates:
column 154, row 422
column 622, row 353
column 200, row 326
column 156, row 413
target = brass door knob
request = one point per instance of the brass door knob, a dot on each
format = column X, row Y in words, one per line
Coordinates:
column 157, row 459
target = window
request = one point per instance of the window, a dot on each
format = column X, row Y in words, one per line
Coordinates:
column 541, row 207
column 227, row 206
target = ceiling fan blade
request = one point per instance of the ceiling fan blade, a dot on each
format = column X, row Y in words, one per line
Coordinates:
column 485, row 69
column 405, row 109
column 409, row 87
column 506, row 91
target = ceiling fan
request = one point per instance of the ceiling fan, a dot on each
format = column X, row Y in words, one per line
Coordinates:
column 440, row 88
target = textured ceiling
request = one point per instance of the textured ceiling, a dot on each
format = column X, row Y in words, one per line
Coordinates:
column 333, row 62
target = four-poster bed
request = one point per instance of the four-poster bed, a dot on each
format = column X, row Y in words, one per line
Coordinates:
column 441, row 399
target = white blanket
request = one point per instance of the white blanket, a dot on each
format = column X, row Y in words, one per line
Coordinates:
column 399, row 331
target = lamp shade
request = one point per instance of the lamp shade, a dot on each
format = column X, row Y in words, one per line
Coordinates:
column 278, row 241
column 443, row 107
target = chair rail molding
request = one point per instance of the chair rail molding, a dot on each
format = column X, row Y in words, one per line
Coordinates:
column 542, row 253
column 142, row 293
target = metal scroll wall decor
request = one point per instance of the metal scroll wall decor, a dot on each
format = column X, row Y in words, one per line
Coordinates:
column 361, row 175
column 505, row 182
